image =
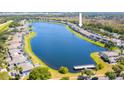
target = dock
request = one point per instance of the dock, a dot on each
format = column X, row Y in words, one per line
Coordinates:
column 90, row 66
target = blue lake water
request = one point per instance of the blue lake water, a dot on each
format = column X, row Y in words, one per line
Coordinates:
column 57, row 46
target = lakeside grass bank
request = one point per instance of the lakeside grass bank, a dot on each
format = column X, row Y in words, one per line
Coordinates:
column 107, row 67
column 55, row 73
column 85, row 38
column 28, row 49
column 36, row 60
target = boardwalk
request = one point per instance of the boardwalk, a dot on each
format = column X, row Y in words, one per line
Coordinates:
column 84, row 67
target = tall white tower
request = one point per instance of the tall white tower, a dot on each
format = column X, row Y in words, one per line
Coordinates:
column 80, row 19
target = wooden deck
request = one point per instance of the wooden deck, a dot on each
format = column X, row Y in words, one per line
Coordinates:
column 91, row 66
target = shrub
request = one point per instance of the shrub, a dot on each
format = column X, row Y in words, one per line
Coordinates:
column 64, row 78
column 63, row 70
column 88, row 72
column 110, row 75
column 40, row 73
column 99, row 66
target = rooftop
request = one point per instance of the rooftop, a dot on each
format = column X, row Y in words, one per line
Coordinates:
column 110, row 53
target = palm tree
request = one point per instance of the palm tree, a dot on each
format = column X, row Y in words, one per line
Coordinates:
column 109, row 45
column 89, row 73
column 20, row 70
column 16, row 68
column 121, row 49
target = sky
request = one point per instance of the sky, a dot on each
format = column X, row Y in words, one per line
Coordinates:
column 62, row 6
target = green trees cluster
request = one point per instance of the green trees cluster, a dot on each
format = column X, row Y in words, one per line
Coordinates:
column 87, row 72
column 99, row 66
column 4, row 34
column 40, row 73
column 3, row 49
column 121, row 37
column 110, row 45
column 63, row 70
column 96, row 26
column 18, row 69
column 14, row 24
column 119, row 68
column 111, row 75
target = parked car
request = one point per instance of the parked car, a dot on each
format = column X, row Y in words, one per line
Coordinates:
column 95, row 78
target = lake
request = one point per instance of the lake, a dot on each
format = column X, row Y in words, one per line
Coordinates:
column 57, row 46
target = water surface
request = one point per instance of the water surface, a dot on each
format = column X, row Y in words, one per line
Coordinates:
column 57, row 46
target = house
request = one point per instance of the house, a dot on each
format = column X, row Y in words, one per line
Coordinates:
column 109, row 56
column 103, row 78
column 27, row 67
column 16, row 54
column 113, row 60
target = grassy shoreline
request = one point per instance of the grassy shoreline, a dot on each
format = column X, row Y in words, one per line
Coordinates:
column 36, row 60
column 107, row 67
column 85, row 38
column 28, row 49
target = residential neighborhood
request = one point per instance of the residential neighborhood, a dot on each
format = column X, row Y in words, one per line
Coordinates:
column 58, row 48
column 16, row 55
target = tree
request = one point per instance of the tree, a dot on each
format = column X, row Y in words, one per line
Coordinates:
column 14, row 24
column 40, row 73
column 17, row 77
column 64, row 78
column 88, row 72
column 121, row 50
column 118, row 68
column 122, row 74
column 109, row 45
column 63, row 70
column 4, row 76
column 16, row 68
column 111, row 75
column 99, row 66
column 121, row 60
column 20, row 70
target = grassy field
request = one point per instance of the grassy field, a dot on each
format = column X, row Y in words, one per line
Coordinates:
column 5, row 26
column 85, row 38
column 36, row 60
column 107, row 67
column 28, row 49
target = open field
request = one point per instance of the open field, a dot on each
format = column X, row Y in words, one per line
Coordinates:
column 5, row 26
column 107, row 67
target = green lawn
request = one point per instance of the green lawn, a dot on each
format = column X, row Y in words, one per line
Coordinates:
column 85, row 38
column 28, row 49
column 107, row 67
column 5, row 26
column 4, row 76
